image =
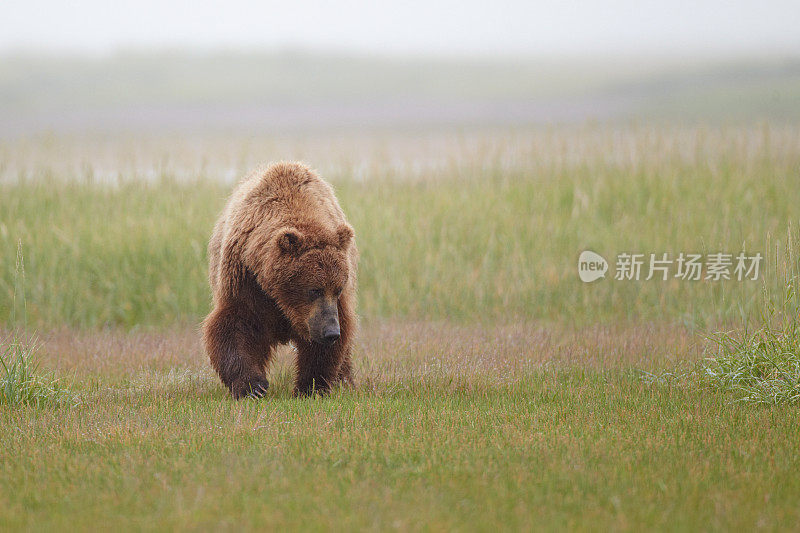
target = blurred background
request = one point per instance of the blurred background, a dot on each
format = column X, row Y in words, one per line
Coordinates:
column 476, row 147
column 241, row 66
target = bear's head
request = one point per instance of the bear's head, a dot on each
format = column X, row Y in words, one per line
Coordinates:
column 306, row 271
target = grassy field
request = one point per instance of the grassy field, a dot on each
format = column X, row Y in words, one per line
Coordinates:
column 488, row 230
column 495, row 389
column 448, row 430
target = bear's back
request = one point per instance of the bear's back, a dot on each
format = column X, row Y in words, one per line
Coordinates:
column 283, row 194
column 291, row 194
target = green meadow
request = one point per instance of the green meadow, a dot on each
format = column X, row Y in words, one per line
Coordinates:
column 495, row 389
column 490, row 231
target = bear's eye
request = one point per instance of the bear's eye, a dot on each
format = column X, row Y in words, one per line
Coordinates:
column 313, row 294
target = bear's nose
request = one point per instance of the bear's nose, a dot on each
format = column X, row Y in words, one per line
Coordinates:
column 330, row 335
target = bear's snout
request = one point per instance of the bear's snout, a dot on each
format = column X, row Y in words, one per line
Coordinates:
column 331, row 334
column 324, row 322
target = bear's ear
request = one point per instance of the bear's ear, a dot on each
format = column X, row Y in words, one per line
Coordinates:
column 290, row 240
column 345, row 235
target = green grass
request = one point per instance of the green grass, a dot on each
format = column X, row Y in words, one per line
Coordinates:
column 552, row 450
column 761, row 366
column 492, row 236
column 760, row 360
column 22, row 382
column 495, row 389
column 758, row 357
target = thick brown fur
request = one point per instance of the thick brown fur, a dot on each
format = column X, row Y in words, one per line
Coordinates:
column 281, row 237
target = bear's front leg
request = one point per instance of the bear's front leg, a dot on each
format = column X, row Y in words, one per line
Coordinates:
column 237, row 352
column 317, row 367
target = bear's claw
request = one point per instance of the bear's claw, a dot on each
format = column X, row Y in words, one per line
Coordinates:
column 258, row 390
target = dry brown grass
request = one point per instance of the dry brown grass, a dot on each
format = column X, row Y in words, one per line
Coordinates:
column 393, row 348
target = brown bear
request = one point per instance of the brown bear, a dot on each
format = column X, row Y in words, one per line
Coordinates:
column 282, row 267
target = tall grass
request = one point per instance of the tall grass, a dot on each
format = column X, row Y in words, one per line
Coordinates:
column 492, row 236
column 757, row 358
column 761, row 362
column 22, row 382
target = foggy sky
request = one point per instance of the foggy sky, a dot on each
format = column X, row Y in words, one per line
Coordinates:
column 408, row 26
